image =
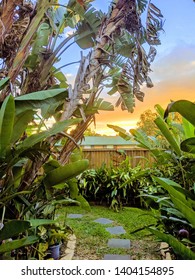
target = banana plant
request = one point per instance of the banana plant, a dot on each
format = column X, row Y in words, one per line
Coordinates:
column 180, row 212
column 178, row 247
column 17, row 152
column 186, row 109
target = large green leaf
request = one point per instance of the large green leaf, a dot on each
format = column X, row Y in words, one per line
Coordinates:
column 21, row 122
column 168, row 135
column 128, row 98
column 13, row 228
column 7, row 114
column 40, row 222
column 176, row 245
column 188, row 128
column 88, row 28
column 15, row 244
column 183, row 107
column 39, row 99
column 63, row 173
column 102, row 105
column 124, row 44
column 183, row 203
column 186, row 210
column 159, row 110
column 188, row 145
column 142, row 138
column 122, row 132
column 36, row 138
column 42, row 38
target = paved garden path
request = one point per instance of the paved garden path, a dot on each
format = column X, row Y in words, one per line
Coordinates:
column 113, row 242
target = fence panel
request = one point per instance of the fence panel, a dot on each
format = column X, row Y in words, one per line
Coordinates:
column 114, row 157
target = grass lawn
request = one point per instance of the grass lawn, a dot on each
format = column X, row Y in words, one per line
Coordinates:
column 92, row 237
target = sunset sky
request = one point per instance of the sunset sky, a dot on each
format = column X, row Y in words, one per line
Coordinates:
column 173, row 69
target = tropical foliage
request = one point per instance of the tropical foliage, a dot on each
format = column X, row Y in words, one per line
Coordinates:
column 117, row 186
column 173, row 151
column 37, row 174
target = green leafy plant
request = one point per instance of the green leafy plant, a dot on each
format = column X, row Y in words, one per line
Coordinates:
column 116, row 187
column 19, row 200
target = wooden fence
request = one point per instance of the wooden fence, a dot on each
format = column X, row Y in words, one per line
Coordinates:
column 114, row 157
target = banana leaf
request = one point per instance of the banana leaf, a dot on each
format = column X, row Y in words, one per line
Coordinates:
column 181, row 202
column 39, row 99
column 178, row 247
column 159, row 110
column 122, row 132
column 7, row 114
column 42, row 38
column 102, row 105
column 40, row 222
column 36, row 138
column 88, row 28
column 188, row 145
column 184, row 107
column 168, row 135
column 20, row 124
column 188, row 128
column 124, row 44
column 141, row 138
column 13, row 228
column 63, row 173
column 15, row 244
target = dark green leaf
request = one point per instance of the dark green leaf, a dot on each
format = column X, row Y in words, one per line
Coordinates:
column 7, row 114
column 13, row 228
column 183, row 107
column 15, row 244
column 176, row 245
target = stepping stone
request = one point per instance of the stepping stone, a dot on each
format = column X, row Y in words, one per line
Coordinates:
column 119, row 243
column 75, row 216
column 116, row 257
column 103, row 221
column 116, row 230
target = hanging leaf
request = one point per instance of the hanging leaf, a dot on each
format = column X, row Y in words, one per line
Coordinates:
column 124, row 44
column 154, row 24
column 88, row 28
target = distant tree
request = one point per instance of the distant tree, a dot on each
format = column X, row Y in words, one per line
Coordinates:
column 90, row 132
column 146, row 122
